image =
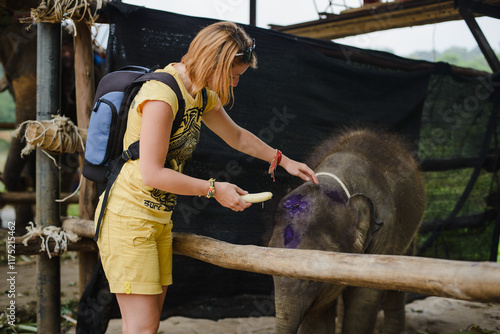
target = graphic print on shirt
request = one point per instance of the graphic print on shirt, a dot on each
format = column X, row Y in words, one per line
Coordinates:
column 180, row 150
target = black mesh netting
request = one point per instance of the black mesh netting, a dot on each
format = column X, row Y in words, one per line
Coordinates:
column 302, row 91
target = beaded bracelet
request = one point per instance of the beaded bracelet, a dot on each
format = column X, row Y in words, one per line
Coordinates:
column 274, row 163
column 211, row 188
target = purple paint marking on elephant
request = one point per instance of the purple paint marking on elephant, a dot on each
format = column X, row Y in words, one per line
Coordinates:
column 291, row 240
column 294, row 204
column 335, row 196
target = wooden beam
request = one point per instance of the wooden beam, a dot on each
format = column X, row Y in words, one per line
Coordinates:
column 84, row 81
column 18, row 197
column 7, row 126
column 28, row 5
column 20, row 5
column 471, row 221
column 82, row 227
column 48, row 97
column 253, row 12
column 477, row 281
column 481, row 40
column 444, row 164
column 376, row 17
column 34, row 244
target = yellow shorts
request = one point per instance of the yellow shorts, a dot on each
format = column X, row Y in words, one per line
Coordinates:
column 136, row 254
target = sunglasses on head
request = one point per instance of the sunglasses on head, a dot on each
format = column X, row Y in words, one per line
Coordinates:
column 247, row 54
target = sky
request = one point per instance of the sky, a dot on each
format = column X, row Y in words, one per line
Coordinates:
column 403, row 41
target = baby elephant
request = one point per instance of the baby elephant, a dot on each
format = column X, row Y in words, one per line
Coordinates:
column 370, row 199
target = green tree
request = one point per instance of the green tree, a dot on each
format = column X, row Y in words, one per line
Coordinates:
column 457, row 56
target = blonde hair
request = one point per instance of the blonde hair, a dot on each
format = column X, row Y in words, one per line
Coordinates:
column 212, row 55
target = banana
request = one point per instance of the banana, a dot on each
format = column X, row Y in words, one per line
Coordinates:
column 257, row 197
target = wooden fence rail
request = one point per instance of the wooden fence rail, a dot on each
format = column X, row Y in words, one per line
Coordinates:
column 475, row 281
column 17, row 197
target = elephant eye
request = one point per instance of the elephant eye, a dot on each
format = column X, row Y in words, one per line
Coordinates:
column 336, row 196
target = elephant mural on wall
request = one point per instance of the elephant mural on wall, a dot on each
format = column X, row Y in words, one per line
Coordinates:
column 18, row 56
column 370, row 199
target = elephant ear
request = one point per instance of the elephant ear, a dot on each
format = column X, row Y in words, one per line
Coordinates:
column 366, row 223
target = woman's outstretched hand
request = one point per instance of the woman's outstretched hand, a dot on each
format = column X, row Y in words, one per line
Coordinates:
column 298, row 169
column 228, row 195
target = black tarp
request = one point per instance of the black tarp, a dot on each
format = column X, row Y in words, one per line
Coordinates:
column 302, row 91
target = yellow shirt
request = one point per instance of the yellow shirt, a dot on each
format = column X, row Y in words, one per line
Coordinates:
column 129, row 196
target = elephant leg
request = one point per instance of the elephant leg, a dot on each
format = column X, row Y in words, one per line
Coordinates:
column 15, row 181
column 393, row 305
column 14, row 166
column 319, row 321
column 361, row 306
column 340, row 314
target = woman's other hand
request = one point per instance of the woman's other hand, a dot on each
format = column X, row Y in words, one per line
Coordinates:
column 228, row 195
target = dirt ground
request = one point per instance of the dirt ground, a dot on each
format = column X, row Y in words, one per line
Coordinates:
column 430, row 315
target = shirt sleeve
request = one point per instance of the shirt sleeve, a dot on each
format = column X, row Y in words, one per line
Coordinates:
column 212, row 101
column 156, row 91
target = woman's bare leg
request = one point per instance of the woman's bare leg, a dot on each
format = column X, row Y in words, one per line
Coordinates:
column 140, row 313
column 161, row 299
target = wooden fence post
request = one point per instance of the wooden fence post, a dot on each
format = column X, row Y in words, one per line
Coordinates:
column 84, row 81
column 48, row 97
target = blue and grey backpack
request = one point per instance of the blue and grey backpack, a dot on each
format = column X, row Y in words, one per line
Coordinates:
column 104, row 153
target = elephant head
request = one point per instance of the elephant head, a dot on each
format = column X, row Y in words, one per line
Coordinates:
column 319, row 217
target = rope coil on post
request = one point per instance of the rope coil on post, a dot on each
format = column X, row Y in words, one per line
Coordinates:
column 55, row 11
column 64, row 138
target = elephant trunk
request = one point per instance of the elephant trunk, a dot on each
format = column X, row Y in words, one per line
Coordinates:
column 305, row 306
column 289, row 315
column 292, row 302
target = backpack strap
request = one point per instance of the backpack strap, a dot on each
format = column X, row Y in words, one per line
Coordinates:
column 168, row 80
column 130, row 94
column 116, row 166
column 204, row 94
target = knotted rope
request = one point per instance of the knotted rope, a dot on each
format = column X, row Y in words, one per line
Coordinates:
column 55, row 233
column 55, row 11
column 66, row 139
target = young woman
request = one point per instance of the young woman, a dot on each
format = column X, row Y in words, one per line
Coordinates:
column 135, row 241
